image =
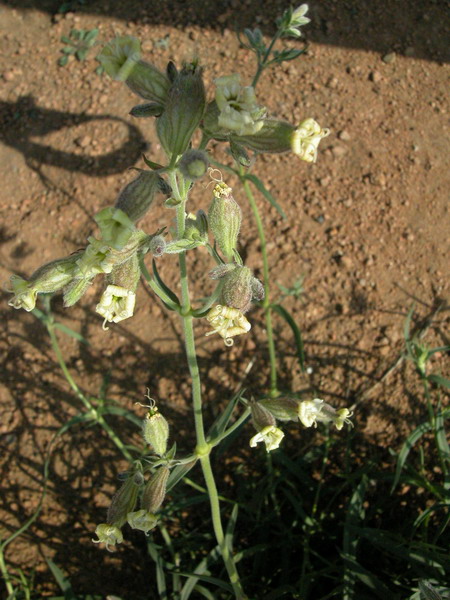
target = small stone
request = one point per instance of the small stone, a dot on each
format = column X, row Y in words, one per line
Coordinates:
column 375, row 76
column 346, row 262
column 332, row 83
column 389, row 58
column 339, row 151
column 324, row 181
column 8, row 75
column 83, row 142
column 344, row 136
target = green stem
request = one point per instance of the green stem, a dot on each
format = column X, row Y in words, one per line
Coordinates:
column 263, row 63
column 266, row 302
column 203, row 448
column 87, row 404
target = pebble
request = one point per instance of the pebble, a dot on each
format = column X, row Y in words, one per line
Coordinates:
column 346, row 262
column 339, row 151
column 375, row 76
column 344, row 136
column 8, row 75
column 389, row 58
column 324, row 181
column 83, row 142
column 332, row 83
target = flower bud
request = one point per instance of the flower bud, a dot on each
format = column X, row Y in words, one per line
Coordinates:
column 155, row 490
column 237, row 289
column 136, row 197
column 155, row 430
column 196, row 227
column 193, row 164
column 157, row 245
column 224, row 217
column 183, row 110
column 124, row 500
column 283, row 409
column 142, row 520
column 48, row 278
column 115, row 226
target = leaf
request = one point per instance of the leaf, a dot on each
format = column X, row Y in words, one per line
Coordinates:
column 61, row 580
column 71, row 333
column 90, row 36
column 178, row 473
column 295, row 330
column 439, row 380
column 62, row 62
column 231, row 527
column 163, row 286
column 81, row 54
column 265, row 192
column 406, row 448
column 220, row 424
column 200, row 569
column 151, row 164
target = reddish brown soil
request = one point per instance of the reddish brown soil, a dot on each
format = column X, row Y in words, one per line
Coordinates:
column 367, row 228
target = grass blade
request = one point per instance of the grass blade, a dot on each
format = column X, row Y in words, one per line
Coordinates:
column 265, row 192
column 295, row 330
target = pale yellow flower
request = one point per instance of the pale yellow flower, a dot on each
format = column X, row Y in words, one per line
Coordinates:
column 306, row 138
column 227, row 322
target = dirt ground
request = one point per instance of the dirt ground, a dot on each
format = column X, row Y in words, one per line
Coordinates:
column 367, row 229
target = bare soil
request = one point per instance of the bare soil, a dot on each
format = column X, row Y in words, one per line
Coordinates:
column 367, row 229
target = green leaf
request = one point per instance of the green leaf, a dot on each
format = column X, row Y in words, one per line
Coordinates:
column 154, row 166
column 231, row 525
column 295, row 330
column 178, row 473
column 66, row 40
column 81, row 54
column 202, row 568
column 265, row 192
column 62, row 62
column 161, row 584
column 61, row 580
column 163, row 286
column 70, row 332
column 90, row 36
column 406, row 448
column 221, row 422
column 439, row 380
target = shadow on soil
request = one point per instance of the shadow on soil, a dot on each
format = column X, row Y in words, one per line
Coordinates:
column 415, row 29
column 24, row 119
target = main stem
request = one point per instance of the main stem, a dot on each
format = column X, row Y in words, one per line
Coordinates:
column 266, row 302
column 203, row 449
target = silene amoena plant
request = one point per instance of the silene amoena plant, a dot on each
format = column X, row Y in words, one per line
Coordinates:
column 177, row 100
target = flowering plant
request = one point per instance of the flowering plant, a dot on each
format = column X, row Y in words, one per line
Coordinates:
column 177, row 100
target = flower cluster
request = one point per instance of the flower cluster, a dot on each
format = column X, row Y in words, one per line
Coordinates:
column 266, row 412
column 152, row 492
column 115, row 254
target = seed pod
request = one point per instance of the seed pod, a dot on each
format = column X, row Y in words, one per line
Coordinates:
column 225, row 217
column 124, row 500
column 136, row 198
column 155, row 490
column 155, row 430
column 261, row 417
column 193, row 164
column 283, row 409
column 237, row 289
column 183, row 110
